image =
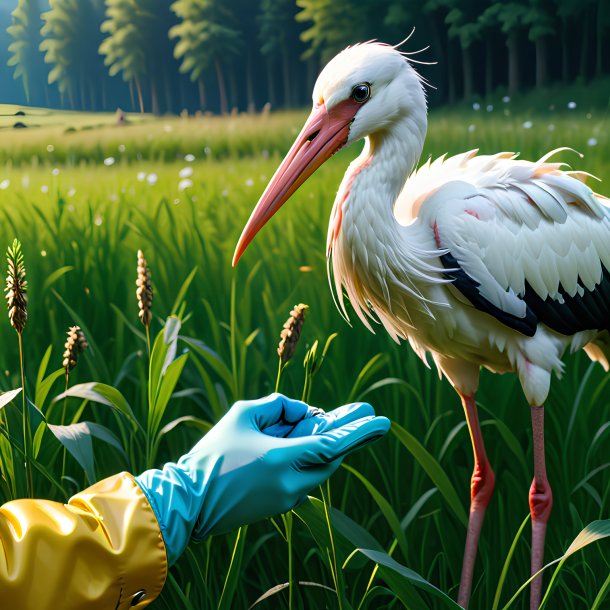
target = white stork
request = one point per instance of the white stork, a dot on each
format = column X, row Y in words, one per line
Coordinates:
column 478, row 260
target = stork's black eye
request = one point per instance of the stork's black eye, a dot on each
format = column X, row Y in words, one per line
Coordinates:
column 361, row 93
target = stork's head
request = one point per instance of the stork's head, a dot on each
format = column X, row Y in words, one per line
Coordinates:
column 362, row 91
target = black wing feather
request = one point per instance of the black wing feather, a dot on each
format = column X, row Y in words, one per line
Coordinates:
column 568, row 315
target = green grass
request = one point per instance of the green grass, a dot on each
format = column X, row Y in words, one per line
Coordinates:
column 409, row 491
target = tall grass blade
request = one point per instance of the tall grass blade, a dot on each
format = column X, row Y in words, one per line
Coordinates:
column 395, row 574
column 386, row 509
column 595, row 531
column 7, row 397
column 507, row 561
column 599, row 598
column 44, row 387
column 281, row 587
column 103, row 394
column 55, row 275
column 232, row 579
column 42, row 367
column 183, row 289
column 433, row 469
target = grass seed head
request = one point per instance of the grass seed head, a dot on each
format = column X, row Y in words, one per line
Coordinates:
column 16, row 287
column 289, row 337
column 144, row 291
column 75, row 344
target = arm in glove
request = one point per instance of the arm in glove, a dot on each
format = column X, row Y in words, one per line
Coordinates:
column 261, row 459
column 106, row 548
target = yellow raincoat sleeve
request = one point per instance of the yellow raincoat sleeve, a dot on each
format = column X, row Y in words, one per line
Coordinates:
column 102, row 550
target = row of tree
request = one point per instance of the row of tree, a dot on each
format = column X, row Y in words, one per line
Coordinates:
column 163, row 55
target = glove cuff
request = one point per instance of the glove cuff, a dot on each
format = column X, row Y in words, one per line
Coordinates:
column 176, row 501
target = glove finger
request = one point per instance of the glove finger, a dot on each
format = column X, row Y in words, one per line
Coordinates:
column 311, row 477
column 332, row 419
column 277, row 408
column 334, row 444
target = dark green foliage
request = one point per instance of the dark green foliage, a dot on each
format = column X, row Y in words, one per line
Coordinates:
column 241, row 54
column 72, row 37
column 25, row 55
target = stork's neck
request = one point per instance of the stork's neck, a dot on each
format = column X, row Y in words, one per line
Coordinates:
column 374, row 180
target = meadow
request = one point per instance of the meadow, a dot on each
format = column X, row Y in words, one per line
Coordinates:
column 83, row 194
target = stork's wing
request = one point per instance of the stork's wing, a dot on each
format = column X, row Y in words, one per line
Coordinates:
column 531, row 246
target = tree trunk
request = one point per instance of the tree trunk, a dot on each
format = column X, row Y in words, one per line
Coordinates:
column 222, row 91
column 451, row 76
column 167, row 90
column 489, row 66
column 233, row 103
column 250, row 83
column 437, row 48
column 512, row 42
column 286, row 77
column 270, row 82
column 584, row 49
column 201, row 89
column 565, row 58
column 541, row 61
column 467, row 72
column 83, row 99
column 131, row 95
column 92, row 95
column 154, row 98
column 312, row 73
column 183, row 99
column 140, row 98
column 599, row 37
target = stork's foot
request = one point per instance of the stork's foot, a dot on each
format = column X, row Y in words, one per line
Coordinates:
column 541, row 503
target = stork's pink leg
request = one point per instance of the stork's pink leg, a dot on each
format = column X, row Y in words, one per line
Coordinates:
column 481, row 488
column 541, row 503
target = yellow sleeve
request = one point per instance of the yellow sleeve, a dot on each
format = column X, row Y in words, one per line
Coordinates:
column 103, row 550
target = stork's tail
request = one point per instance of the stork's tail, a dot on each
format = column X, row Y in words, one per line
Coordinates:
column 599, row 350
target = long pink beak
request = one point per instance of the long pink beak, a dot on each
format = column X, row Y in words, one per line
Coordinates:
column 323, row 134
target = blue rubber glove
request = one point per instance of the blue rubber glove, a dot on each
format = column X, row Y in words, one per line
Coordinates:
column 262, row 458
